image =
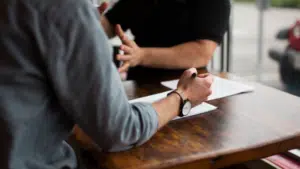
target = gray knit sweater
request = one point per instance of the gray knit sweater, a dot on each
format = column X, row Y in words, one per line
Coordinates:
column 56, row 70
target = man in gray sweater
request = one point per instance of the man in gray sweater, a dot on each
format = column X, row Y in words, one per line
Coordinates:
column 56, row 70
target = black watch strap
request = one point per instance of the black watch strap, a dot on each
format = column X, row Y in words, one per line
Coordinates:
column 181, row 101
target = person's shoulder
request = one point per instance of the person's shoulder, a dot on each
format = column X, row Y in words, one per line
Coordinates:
column 221, row 3
column 214, row 6
column 60, row 9
column 212, row 3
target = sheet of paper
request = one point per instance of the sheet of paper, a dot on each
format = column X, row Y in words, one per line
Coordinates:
column 202, row 108
column 220, row 87
column 295, row 152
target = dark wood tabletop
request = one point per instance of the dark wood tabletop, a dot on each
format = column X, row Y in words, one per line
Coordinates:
column 244, row 127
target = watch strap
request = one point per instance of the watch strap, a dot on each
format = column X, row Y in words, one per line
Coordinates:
column 176, row 92
column 181, row 101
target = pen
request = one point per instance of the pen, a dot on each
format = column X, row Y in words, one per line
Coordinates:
column 194, row 75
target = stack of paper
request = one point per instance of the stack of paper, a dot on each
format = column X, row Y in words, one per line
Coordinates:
column 220, row 88
column 202, row 108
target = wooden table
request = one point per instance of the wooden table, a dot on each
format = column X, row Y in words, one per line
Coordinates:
column 244, row 127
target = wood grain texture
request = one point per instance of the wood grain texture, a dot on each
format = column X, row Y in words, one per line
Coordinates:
column 244, row 127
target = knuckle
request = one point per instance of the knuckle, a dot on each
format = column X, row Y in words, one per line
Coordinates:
column 207, row 82
column 211, row 79
column 187, row 72
column 209, row 92
column 192, row 70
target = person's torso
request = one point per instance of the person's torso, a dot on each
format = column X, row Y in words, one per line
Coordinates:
column 161, row 23
column 32, row 123
column 166, row 23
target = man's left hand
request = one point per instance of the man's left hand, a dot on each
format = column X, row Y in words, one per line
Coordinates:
column 133, row 54
column 102, row 7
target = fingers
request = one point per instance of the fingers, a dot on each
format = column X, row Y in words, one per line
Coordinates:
column 209, row 80
column 203, row 75
column 123, row 57
column 125, row 40
column 119, row 31
column 209, row 92
column 190, row 71
column 124, row 67
column 126, row 49
column 102, row 7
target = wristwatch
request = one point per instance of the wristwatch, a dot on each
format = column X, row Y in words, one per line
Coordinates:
column 185, row 105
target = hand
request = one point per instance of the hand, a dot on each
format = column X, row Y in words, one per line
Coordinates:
column 102, row 7
column 196, row 89
column 133, row 54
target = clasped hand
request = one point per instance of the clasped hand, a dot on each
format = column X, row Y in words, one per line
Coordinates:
column 196, row 89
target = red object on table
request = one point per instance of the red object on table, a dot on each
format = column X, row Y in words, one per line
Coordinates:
column 283, row 162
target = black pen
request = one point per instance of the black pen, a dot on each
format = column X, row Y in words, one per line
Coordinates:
column 194, row 75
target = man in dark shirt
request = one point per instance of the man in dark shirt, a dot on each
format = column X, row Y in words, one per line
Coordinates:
column 169, row 34
column 56, row 71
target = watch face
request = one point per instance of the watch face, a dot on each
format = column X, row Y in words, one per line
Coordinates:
column 186, row 108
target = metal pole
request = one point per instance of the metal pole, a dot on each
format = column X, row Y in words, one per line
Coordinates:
column 229, row 42
column 222, row 55
column 229, row 39
column 260, row 44
column 212, row 64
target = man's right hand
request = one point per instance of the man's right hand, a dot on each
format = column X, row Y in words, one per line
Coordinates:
column 196, row 89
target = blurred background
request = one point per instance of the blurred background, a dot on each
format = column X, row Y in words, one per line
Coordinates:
column 244, row 56
column 253, row 35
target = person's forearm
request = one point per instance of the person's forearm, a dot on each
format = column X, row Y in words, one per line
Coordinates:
column 167, row 109
column 191, row 54
column 108, row 27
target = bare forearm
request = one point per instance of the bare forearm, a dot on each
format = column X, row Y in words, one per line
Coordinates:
column 108, row 27
column 191, row 54
column 167, row 109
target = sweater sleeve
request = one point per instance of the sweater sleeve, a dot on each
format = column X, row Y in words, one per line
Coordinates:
column 87, row 84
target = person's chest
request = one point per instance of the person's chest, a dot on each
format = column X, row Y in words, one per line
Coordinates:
column 163, row 23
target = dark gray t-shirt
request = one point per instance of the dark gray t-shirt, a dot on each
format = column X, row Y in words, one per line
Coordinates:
column 56, row 70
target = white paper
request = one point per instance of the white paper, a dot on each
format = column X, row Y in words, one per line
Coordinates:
column 202, row 108
column 295, row 152
column 220, row 87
